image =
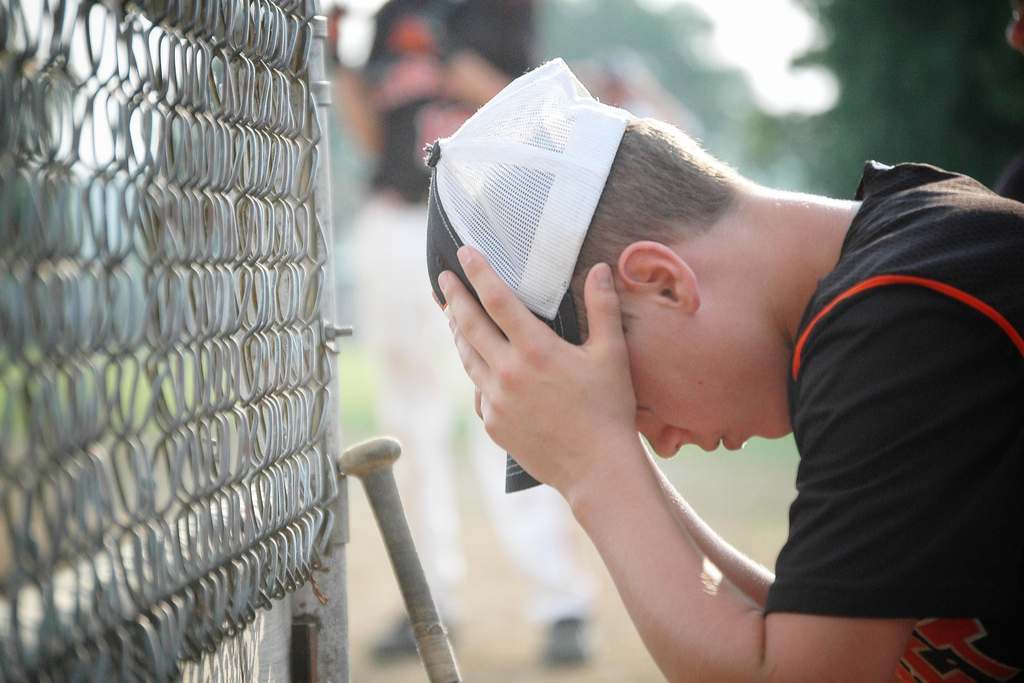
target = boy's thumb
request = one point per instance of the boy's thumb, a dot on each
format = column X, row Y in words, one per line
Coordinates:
column 604, row 315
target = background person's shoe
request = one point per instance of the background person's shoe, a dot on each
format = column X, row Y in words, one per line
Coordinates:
column 569, row 643
column 397, row 644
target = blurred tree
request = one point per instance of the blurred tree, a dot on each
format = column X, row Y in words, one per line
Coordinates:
column 673, row 44
column 932, row 82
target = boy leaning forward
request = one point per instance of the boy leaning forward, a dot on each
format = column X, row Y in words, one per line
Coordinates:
column 604, row 276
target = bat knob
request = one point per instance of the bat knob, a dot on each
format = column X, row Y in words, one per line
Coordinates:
column 369, row 456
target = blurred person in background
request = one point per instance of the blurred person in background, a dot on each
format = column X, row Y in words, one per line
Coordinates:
column 431, row 65
column 620, row 77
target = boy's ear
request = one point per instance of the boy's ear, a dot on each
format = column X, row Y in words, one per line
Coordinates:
column 658, row 270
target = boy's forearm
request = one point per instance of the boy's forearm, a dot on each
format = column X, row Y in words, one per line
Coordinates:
column 699, row 630
column 694, row 629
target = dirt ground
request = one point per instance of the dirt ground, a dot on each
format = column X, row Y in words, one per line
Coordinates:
column 744, row 495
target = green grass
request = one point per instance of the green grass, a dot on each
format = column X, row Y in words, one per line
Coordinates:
column 356, row 395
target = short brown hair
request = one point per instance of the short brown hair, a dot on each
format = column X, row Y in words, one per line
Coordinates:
column 663, row 187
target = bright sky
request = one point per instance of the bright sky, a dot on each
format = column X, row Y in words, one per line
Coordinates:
column 762, row 37
column 759, row 36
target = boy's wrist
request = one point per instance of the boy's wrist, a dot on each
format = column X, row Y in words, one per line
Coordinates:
column 596, row 486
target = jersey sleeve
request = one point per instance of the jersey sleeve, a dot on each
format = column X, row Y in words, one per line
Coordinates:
column 909, row 416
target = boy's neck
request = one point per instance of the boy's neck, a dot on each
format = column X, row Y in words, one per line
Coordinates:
column 808, row 232
column 772, row 249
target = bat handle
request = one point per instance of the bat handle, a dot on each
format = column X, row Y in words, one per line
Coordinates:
column 371, row 462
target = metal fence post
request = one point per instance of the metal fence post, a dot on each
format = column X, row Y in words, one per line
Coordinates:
column 320, row 607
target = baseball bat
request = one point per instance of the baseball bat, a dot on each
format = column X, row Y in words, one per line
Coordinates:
column 371, row 461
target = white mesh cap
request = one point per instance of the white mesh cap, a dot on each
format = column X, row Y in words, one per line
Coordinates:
column 520, row 180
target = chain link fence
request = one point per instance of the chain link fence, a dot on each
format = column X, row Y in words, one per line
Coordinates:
column 164, row 373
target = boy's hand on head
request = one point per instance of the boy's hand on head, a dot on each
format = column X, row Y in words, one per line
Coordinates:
column 554, row 406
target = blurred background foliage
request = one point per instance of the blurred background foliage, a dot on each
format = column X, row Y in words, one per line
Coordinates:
column 930, row 82
column 933, row 82
column 673, row 45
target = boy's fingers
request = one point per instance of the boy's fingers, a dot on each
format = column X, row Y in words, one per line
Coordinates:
column 475, row 365
column 604, row 313
column 500, row 302
column 473, row 321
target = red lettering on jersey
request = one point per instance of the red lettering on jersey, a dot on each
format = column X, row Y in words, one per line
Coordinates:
column 943, row 651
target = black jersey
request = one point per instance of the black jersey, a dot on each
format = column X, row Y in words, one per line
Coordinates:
column 907, row 403
column 406, row 73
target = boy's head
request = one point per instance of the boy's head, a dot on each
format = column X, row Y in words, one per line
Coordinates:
column 546, row 182
column 628, row 190
column 661, row 187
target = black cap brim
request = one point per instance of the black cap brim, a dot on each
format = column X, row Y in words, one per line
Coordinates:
column 443, row 244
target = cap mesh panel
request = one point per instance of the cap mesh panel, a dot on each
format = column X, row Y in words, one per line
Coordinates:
column 521, row 178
